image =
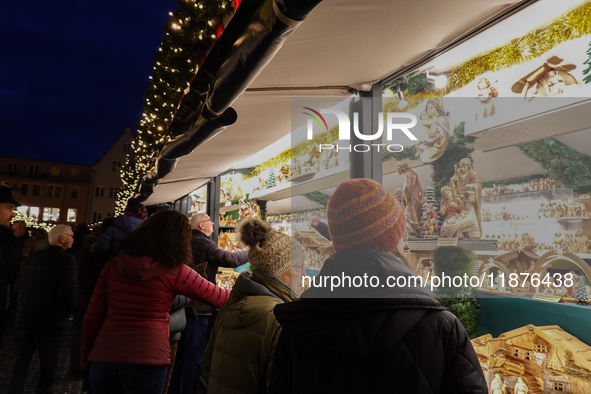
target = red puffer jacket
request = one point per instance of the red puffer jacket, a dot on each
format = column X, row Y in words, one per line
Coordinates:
column 127, row 319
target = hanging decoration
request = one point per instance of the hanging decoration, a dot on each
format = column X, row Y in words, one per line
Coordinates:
column 188, row 36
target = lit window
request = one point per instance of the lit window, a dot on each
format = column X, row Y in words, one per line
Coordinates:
column 74, row 172
column 71, row 215
column 34, row 212
column 51, row 214
column 55, row 171
column 24, row 210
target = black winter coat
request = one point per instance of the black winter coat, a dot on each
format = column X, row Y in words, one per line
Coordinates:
column 400, row 341
column 205, row 249
column 46, row 288
column 5, row 238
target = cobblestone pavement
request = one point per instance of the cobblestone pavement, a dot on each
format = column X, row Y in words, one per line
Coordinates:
column 63, row 382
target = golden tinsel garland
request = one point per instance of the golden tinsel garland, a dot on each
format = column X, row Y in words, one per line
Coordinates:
column 574, row 24
column 300, row 150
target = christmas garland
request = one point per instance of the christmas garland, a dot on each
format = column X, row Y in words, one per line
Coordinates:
column 455, row 261
column 571, row 26
column 319, row 198
column 564, row 164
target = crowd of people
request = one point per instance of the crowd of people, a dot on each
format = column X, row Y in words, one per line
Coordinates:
column 148, row 317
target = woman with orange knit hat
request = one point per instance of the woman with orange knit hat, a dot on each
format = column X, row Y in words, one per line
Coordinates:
column 365, row 326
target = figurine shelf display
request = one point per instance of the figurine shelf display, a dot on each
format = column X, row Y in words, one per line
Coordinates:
column 226, row 277
column 549, row 220
column 308, row 165
column 227, row 221
column 248, row 209
column 228, row 242
column 533, row 185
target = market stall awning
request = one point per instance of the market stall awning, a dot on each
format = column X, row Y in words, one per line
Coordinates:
column 342, row 46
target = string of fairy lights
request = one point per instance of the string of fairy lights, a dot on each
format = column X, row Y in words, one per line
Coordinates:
column 189, row 34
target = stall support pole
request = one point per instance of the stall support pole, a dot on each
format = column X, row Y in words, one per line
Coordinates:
column 182, row 205
column 213, row 205
column 366, row 164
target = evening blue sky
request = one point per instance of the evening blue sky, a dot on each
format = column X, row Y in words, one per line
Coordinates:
column 72, row 74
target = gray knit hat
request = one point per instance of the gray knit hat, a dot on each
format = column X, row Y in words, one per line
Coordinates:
column 270, row 251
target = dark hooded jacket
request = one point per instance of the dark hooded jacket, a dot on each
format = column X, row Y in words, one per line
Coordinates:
column 108, row 242
column 377, row 340
column 127, row 319
column 206, row 250
column 239, row 355
column 46, row 290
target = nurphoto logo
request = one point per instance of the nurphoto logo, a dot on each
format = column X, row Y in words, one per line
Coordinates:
column 345, row 129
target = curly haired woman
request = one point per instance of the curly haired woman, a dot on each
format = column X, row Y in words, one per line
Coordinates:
column 125, row 332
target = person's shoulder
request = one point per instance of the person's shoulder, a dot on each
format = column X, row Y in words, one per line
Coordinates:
column 442, row 320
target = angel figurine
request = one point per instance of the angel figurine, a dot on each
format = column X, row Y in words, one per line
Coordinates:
column 484, row 94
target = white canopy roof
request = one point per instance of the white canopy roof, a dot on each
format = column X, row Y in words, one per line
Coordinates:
column 342, row 44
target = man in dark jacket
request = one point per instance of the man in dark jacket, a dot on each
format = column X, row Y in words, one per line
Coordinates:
column 375, row 332
column 21, row 246
column 7, row 206
column 45, row 298
column 194, row 337
column 108, row 243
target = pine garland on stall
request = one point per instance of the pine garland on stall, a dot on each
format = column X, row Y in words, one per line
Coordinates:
column 455, row 261
column 564, row 164
column 318, row 197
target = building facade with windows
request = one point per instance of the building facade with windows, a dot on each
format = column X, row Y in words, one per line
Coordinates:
column 49, row 191
column 106, row 177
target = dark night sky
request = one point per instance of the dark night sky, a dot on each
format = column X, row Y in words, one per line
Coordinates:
column 72, row 74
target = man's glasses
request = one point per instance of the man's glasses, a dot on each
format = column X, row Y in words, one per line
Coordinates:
column 205, row 221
